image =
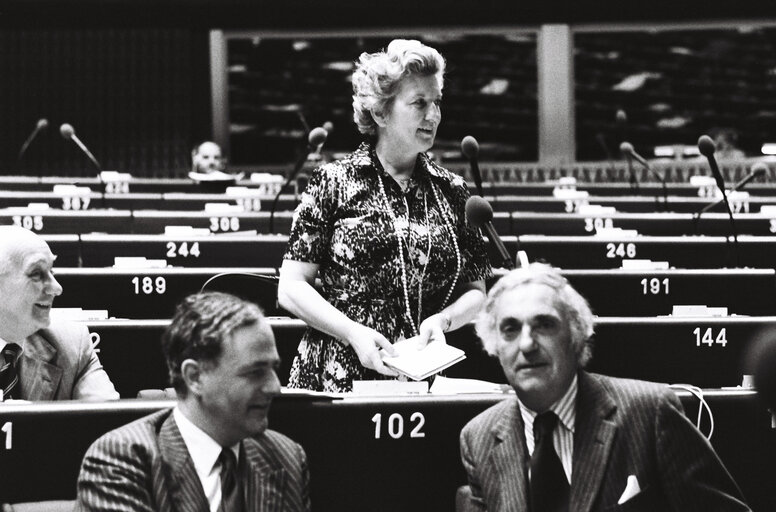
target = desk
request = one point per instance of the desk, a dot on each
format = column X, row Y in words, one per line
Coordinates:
column 221, row 250
column 154, row 293
column 411, row 464
column 681, row 252
column 654, row 224
column 659, row 349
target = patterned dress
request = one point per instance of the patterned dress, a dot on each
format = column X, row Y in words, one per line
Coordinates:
column 343, row 224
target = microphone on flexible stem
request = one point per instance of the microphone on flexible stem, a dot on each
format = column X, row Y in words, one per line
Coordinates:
column 315, row 138
column 470, row 149
column 706, row 147
column 272, row 280
column 479, row 213
column 758, row 169
column 627, row 149
column 41, row 125
column 68, row 133
column 634, row 183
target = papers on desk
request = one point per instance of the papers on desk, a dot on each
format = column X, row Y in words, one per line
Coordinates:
column 417, row 364
column 448, row 386
column 79, row 315
column 215, row 176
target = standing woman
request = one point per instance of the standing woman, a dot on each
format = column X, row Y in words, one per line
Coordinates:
column 385, row 230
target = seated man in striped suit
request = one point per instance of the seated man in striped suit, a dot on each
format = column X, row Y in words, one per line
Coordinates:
column 571, row 440
column 213, row 450
column 41, row 359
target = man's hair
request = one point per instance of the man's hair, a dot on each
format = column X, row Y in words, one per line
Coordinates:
column 575, row 308
column 377, row 77
column 197, row 330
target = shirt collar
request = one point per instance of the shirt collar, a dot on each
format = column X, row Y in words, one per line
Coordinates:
column 364, row 156
column 203, row 449
column 564, row 408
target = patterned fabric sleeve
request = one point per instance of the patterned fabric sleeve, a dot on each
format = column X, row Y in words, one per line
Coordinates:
column 313, row 218
column 474, row 254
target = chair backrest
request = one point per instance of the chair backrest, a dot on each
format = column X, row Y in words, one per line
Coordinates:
column 157, row 394
column 463, row 502
column 41, row 506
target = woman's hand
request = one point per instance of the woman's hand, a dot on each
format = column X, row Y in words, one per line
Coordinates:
column 367, row 343
column 432, row 330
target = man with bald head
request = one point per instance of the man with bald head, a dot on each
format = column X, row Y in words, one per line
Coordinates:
column 41, row 360
column 207, row 158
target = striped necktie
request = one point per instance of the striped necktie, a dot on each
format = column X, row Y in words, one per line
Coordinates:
column 231, row 490
column 9, row 378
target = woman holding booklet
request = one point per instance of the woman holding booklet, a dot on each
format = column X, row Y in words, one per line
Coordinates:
column 384, row 229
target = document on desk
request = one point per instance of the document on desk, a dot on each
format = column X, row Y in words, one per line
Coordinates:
column 419, row 363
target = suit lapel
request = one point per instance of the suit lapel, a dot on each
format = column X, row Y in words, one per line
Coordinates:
column 178, row 475
column 508, row 458
column 264, row 483
column 594, row 435
column 38, row 378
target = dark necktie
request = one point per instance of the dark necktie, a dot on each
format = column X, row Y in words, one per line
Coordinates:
column 549, row 487
column 231, row 490
column 9, row 377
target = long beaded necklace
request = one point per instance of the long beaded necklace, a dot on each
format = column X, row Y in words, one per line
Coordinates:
column 402, row 243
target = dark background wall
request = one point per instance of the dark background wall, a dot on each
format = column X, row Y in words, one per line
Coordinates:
column 138, row 98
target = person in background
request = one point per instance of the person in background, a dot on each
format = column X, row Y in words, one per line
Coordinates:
column 384, row 229
column 213, row 450
column 206, row 158
column 41, row 359
column 726, row 143
column 573, row 440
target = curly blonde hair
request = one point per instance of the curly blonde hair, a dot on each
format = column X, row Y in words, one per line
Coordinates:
column 377, row 77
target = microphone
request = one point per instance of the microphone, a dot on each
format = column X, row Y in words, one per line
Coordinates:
column 706, row 147
column 41, row 125
column 261, row 277
column 271, row 280
column 68, row 133
column 479, row 213
column 758, row 169
column 315, row 138
column 634, row 183
column 627, row 149
column 470, row 149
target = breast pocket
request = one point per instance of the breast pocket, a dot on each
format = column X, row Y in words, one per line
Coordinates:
column 360, row 237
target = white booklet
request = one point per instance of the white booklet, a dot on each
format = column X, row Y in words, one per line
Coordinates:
column 418, row 363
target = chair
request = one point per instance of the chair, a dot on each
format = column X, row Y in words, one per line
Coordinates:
column 41, row 506
column 156, row 394
column 463, row 501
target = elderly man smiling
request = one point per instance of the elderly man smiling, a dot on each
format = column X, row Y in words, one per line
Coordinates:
column 41, row 360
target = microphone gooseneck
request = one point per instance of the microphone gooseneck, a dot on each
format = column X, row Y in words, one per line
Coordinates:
column 68, row 133
column 315, row 139
column 479, row 213
column 471, row 149
column 627, row 148
column 707, row 148
column 41, row 125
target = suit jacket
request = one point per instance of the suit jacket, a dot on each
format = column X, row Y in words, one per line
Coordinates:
column 145, row 466
column 623, row 427
column 59, row 363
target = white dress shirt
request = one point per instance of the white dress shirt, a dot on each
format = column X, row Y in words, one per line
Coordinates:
column 563, row 435
column 204, row 452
